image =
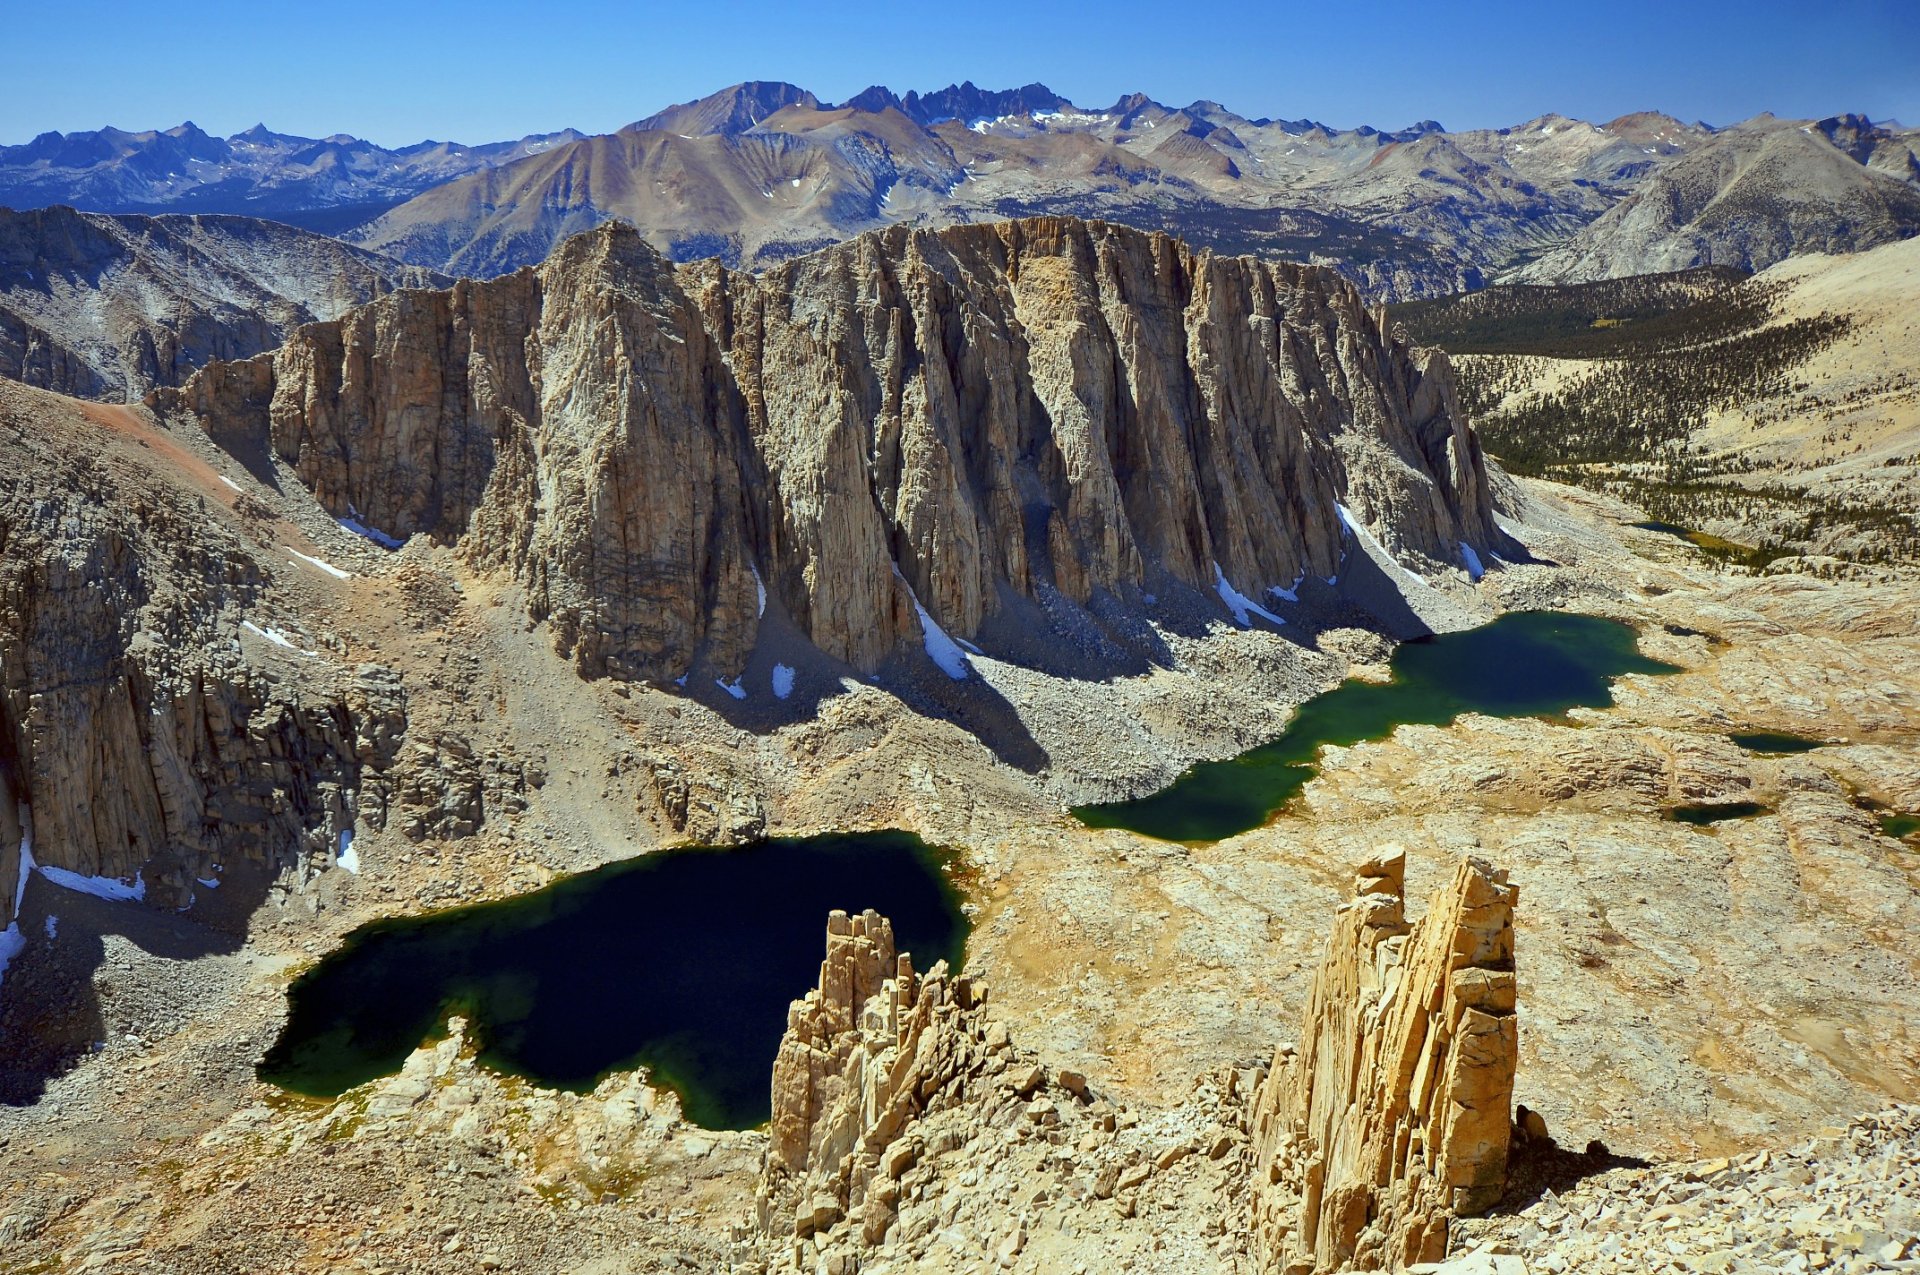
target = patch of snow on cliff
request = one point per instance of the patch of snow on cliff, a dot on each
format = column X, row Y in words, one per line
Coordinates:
column 229, row 482
column 274, row 636
column 782, row 681
column 1292, row 592
column 761, row 589
column 1239, row 603
column 12, row 943
column 1377, row 551
column 346, row 856
column 110, row 888
column 26, row 856
column 327, row 567
column 1474, row 569
column 212, row 883
column 732, row 688
column 53, row 926
column 941, row 649
column 352, row 523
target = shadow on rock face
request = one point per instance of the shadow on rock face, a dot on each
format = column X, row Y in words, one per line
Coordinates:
column 58, row 1001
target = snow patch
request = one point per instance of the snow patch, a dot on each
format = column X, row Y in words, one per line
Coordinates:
column 1292, row 592
column 941, row 649
column 1474, row 569
column 760, row 588
column 274, row 636
column 1374, row 549
column 26, row 855
column 212, row 883
column 732, row 688
column 352, row 523
column 110, row 888
column 53, row 926
column 1239, row 603
column 229, row 482
column 345, row 855
column 327, row 567
column 12, row 943
column 782, row 681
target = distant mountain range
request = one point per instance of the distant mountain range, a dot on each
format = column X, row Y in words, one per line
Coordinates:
column 763, row 171
column 324, row 183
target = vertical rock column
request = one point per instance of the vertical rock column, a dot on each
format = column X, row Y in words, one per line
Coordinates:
column 866, row 1053
column 1393, row 1114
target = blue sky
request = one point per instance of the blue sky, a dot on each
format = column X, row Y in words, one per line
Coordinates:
column 397, row 72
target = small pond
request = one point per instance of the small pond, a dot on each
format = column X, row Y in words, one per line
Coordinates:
column 1527, row 664
column 1716, row 812
column 1775, row 742
column 1901, row 827
column 684, row 961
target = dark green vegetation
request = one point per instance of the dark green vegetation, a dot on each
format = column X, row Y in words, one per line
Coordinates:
column 1526, row 664
column 1580, row 320
column 683, row 961
column 1651, row 390
column 1707, row 813
column 1294, row 234
column 1672, row 351
column 1775, row 742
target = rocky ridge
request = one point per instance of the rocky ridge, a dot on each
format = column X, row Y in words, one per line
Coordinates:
column 911, row 436
column 108, row 307
column 143, row 723
column 758, row 172
column 1353, row 1152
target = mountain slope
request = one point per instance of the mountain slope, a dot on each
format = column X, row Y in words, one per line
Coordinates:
column 1755, row 195
column 111, row 306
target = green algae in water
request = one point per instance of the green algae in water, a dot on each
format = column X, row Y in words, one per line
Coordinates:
column 1527, row 664
column 1775, row 742
column 683, row 961
column 1716, row 813
column 1901, row 827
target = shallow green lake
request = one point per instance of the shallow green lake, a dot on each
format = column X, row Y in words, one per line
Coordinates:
column 1527, row 664
column 683, row 961
column 1901, row 826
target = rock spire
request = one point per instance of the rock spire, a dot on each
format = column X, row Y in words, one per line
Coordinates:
column 1393, row 1114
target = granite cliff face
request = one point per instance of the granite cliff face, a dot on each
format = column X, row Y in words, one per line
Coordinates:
column 911, row 430
column 149, row 734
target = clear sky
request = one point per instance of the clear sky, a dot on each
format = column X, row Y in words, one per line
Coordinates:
column 397, row 71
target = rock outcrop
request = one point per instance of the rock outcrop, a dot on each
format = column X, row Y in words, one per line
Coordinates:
column 868, row 1051
column 910, row 433
column 1393, row 1115
column 145, row 733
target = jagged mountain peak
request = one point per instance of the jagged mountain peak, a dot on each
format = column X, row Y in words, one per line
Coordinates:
column 731, row 111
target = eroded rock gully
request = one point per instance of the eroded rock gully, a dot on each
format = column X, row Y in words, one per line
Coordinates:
column 913, row 428
column 137, row 737
column 1355, row 1150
